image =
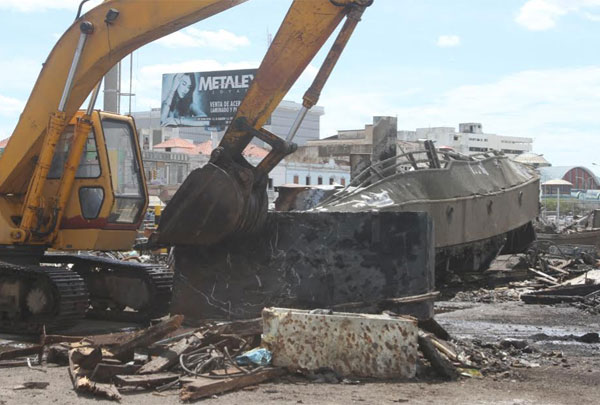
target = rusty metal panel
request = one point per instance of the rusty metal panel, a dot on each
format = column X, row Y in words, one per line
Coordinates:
column 358, row 345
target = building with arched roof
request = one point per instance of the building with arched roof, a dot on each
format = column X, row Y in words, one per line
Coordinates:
column 580, row 177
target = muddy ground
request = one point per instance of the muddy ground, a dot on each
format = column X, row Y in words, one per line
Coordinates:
column 564, row 370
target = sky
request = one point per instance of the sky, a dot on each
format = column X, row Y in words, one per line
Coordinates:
column 520, row 67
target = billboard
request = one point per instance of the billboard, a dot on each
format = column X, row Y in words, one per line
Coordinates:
column 203, row 99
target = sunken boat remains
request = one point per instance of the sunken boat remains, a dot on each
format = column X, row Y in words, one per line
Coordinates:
column 481, row 205
column 378, row 244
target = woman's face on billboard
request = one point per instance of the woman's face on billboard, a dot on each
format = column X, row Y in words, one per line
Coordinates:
column 184, row 86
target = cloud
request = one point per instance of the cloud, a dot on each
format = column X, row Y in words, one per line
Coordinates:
column 448, row 41
column 592, row 17
column 10, row 107
column 556, row 107
column 195, row 38
column 541, row 15
column 43, row 5
column 19, row 74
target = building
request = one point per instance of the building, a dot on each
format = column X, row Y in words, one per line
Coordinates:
column 553, row 187
column 170, row 162
column 3, row 144
column 581, row 178
column 151, row 133
column 307, row 167
column 469, row 139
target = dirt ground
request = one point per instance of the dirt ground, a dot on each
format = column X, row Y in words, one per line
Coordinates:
column 573, row 376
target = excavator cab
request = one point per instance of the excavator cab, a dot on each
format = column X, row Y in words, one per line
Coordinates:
column 109, row 193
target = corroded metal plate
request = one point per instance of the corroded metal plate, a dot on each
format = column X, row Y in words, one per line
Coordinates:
column 358, row 345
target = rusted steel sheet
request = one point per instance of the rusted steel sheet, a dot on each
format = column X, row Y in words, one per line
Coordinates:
column 357, row 345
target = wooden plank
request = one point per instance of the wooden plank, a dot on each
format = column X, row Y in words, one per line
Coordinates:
column 441, row 365
column 145, row 381
column 146, row 337
column 202, row 387
column 544, row 275
column 84, row 384
column 79, row 375
column 32, row 385
column 104, row 372
column 432, row 326
column 13, row 363
column 441, row 346
column 170, row 356
column 556, row 269
column 228, row 371
column 15, row 353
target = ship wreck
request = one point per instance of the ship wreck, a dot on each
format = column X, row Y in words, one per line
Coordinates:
column 481, row 205
column 381, row 243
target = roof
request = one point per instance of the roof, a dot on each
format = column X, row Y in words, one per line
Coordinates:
column 205, row 148
column 558, row 172
column 255, row 151
column 531, row 159
column 557, row 182
column 175, row 143
column 4, row 142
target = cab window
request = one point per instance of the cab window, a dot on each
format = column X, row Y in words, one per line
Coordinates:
column 89, row 165
column 125, row 172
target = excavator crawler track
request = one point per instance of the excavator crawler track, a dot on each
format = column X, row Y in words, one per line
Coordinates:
column 65, row 290
column 121, row 290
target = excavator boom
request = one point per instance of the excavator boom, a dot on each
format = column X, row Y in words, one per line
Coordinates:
column 119, row 28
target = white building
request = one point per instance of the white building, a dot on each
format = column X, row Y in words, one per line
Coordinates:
column 151, row 133
column 469, row 139
column 330, row 172
column 168, row 168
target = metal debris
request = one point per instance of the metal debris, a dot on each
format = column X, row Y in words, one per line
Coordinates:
column 358, row 345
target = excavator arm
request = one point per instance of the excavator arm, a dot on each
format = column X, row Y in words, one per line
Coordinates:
column 227, row 197
column 88, row 49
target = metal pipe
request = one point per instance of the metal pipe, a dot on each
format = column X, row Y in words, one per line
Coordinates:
column 130, row 80
column 296, row 125
column 93, row 99
column 311, row 97
column 86, row 29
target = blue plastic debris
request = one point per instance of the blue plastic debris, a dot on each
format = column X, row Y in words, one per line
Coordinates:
column 258, row 356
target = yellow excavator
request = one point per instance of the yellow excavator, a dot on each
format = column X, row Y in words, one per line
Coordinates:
column 73, row 180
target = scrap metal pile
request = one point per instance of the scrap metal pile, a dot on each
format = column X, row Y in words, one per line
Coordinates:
column 548, row 274
column 319, row 345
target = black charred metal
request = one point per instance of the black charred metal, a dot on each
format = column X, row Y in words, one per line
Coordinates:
column 310, row 260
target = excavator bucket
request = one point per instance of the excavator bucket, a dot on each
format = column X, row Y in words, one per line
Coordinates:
column 213, row 202
column 228, row 199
